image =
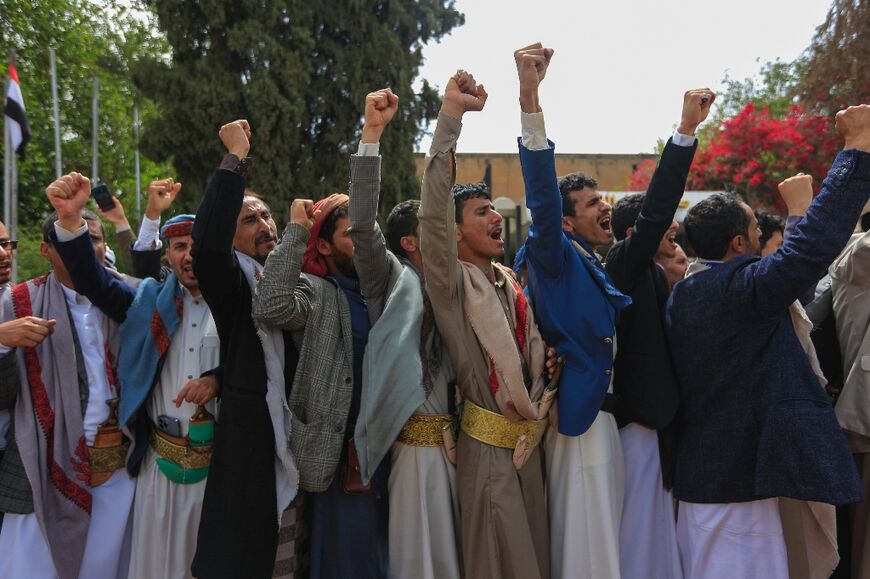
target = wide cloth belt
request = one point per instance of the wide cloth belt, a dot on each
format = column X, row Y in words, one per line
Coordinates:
column 107, row 460
column 186, row 456
column 424, row 429
column 494, row 429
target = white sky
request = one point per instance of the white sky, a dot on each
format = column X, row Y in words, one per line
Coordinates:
column 616, row 81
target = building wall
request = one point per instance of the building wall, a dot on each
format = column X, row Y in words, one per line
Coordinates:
column 611, row 171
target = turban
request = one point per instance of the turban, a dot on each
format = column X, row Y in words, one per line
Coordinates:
column 312, row 262
column 178, row 226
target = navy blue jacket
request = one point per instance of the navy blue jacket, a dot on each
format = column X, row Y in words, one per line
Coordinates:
column 754, row 422
column 575, row 304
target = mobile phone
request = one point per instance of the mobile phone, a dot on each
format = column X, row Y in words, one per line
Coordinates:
column 170, row 425
column 102, row 196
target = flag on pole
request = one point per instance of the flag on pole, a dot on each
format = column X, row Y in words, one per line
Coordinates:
column 15, row 117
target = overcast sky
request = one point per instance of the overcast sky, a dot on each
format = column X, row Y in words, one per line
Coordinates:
column 620, row 68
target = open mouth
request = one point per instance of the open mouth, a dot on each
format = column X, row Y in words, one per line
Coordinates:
column 604, row 223
column 496, row 235
column 672, row 239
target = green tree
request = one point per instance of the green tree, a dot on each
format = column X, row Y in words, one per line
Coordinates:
column 299, row 72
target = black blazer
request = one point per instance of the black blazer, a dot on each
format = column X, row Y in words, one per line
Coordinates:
column 645, row 388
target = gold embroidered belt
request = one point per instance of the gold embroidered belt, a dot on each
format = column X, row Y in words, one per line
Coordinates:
column 108, row 459
column 186, row 456
column 424, row 429
column 494, row 429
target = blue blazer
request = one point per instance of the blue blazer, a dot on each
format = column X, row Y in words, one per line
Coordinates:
column 575, row 304
column 754, row 422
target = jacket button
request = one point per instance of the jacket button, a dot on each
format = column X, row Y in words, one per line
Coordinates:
column 339, row 427
column 608, row 340
column 608, row 372
column 348, row 380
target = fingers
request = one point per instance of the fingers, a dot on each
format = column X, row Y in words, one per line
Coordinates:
column 183, row 394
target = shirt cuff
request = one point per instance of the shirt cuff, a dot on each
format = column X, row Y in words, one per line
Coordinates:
column 239, row 166
column 369, row 149
column 4, row 350
column 682, row 140
column 122, row 229
column 149, row 235
column 534, row 133
column 64, row 235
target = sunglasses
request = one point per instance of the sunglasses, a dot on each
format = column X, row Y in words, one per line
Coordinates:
column 9, row 244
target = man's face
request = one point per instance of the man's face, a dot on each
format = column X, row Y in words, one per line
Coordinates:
column 95, row 230
column 6, row 256
column 478, row 237
column 338, row 251
column 256, row 233
column 674, row 266
column 668, row 245
column 591, row 220
column 773, row 243
column 753, row 235
column 178, row 256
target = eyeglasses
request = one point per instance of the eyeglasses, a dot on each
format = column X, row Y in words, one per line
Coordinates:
column 9, row 244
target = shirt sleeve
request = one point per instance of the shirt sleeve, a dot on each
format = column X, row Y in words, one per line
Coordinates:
column 149, row 235
column 682, row 140
column 64, row 235
column 369, row 149
column 534, row 132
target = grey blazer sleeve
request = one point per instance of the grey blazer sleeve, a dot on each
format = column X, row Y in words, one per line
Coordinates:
column 10, row 382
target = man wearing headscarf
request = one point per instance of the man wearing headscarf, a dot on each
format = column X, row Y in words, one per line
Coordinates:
column 310, row 287
column 252, row 477
column 168, row 340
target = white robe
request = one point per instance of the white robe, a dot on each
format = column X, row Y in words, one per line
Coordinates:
column 424, row 510
column 23, row 549
column 586, row 488
column 167, row 514
column 648, row 531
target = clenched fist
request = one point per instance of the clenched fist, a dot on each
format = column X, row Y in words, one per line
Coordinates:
column 236, row 137
column 68, row 196
column 696, row 107
column 797, row 192
column 532, row 62
column 161, row 194
column 381, row 106
column 303, row 213
column 854, row 124
column 463, row 94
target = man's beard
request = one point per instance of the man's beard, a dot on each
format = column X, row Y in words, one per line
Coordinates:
column 344, row 264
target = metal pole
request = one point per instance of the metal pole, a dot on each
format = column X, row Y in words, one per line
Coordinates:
column 7, row 166
column 58, row 164
column 519, row 224
column 136, row 158
column 508, row 260
column 95, row 126
column 12, row 225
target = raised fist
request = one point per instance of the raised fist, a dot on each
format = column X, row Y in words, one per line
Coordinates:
column 463, row 94
column 303, row 213
column 854, row 124
column 381, row 106
column 797, row 192
column 161, row 195
column 236, row 137
column 68, row 196
column 696, row 107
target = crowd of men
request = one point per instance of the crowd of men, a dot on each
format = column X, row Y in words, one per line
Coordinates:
column 351, row 402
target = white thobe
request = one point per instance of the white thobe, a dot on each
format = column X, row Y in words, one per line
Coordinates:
column 23, row 548
column 166, row 513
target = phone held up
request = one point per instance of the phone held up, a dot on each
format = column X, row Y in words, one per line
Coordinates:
column 102, row 195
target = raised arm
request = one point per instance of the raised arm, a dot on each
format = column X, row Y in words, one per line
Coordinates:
column 372, row 260
column 285, row 297
column 72, row 241
column 214, row 261
column 437, row 213
column 781, row 277
column 146, row 253
column 797, row 193
column 664, row 192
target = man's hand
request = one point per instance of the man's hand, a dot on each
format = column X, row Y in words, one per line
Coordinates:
column 197, row 391
column 797, row 192
column 26, row 332
column 161, row 195
column 381, row 106
column 115, row 216
column 236, row 137
column 68, row 196
column 463, row 94
column 532, row 62
column 854, row 124
column 303, row 213
column 696, row 107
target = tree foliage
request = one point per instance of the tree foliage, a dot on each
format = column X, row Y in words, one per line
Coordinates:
column 299, row 72
column 837, row 74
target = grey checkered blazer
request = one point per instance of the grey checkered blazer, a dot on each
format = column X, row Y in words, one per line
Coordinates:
column 316, row 312
column 15, row 493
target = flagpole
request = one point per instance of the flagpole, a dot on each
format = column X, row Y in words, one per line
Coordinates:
column 58, row 164
column 136, row 158
column 95, row 110
column 7, row 165
column 12, row 224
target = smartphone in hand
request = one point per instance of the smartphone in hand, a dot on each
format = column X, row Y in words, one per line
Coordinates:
column 102, row 195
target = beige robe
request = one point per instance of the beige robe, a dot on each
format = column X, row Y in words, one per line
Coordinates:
column 504, row 515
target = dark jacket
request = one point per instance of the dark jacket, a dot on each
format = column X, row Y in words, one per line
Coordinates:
column 645, row 388
column 754, row 420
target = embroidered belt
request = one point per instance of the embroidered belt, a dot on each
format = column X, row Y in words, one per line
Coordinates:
column 424, row 429
column 108, row 459
column 186, row 456
column 494, row 429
